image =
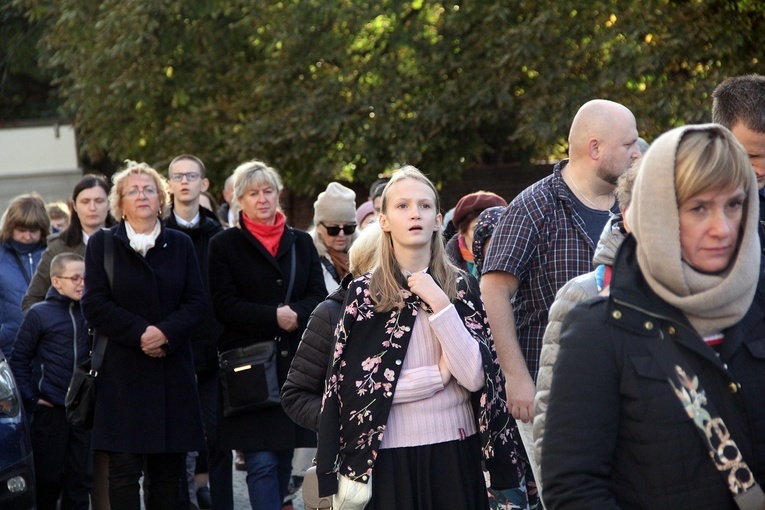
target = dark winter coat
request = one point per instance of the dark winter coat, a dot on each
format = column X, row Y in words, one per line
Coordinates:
column 204, row 339
column 145, row 404
column 16, row 270
column 302, row 393
column 247, row 285
column 617, row 435
column 53, row 335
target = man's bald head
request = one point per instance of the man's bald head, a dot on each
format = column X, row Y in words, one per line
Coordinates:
column 597, row 119
column 603, row 139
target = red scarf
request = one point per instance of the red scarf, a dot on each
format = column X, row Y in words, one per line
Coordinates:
column 268, row 235
column 467, row 255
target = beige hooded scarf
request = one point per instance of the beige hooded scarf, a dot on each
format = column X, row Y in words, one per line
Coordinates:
column 711, row 302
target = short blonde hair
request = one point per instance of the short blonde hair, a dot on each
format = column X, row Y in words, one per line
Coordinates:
column 362, row 255
column 59, row 262
column 255, row 173
column 58, row 210
column 25, row 211
column 708, row 159
column 119, row 179
column 624, row 184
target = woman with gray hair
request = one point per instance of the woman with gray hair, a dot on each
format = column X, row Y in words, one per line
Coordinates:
column 147, row 413
column 258, row 299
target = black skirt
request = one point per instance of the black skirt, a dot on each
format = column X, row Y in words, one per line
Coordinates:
column 442, row 475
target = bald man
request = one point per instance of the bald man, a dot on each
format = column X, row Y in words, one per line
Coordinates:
column 546, row 237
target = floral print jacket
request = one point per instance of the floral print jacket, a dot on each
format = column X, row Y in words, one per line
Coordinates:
column 368, row 356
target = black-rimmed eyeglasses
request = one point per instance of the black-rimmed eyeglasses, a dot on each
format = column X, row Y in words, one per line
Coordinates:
column 190, row 176
column 335, row 229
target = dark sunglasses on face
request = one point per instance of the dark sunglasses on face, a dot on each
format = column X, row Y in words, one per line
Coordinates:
column 335, row 229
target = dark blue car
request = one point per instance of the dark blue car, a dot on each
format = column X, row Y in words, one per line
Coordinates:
column 17, row 482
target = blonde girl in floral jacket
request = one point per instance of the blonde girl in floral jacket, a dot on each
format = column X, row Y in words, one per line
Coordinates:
column 414, row 397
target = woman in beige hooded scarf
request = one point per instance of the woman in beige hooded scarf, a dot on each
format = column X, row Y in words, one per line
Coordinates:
column 667, row 370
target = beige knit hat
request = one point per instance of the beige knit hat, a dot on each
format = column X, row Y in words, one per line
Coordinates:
column 336, row 204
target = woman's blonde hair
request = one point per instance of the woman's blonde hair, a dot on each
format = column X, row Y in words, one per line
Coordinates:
column 25, row 211
column 388, row 281
column 362, row 255
column 710, row 159
column 255, row 173
column 120, row 178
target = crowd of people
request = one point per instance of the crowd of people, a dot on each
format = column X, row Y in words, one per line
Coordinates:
column 595, row 342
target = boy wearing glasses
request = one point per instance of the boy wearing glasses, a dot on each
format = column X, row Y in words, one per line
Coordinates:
column 186, row 182
column 54, row 337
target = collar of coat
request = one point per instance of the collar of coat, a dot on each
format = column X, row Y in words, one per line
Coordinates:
column 636, row 304
column 369, row 350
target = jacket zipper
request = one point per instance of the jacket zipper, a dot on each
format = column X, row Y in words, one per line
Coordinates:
column 74, row 338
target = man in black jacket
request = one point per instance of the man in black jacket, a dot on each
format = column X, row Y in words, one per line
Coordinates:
column 187, row 181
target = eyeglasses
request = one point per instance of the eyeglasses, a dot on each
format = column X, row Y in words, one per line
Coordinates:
column 335, row 229
column 133, row 192
column 190, row 176
column 76, row 279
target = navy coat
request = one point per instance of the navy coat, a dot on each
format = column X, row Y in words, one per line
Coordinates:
column 145, row 404
column 247, row 285
column 13, row 285
column 54, row 335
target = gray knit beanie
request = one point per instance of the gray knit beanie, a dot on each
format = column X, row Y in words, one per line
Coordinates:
column 336, row 204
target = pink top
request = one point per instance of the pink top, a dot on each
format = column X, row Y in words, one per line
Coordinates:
column 425, row 411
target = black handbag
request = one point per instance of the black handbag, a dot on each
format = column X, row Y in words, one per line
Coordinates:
column 249, row 377
column 80, row 400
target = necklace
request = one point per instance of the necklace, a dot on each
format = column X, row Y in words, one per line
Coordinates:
column 583, row 195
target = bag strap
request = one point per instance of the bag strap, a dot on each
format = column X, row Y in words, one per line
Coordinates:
column 100, row 342
column 330, row 269
column 291, row 285
column 109, row 256
column 723, row 450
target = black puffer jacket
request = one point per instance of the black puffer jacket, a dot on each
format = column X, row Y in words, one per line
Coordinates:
column 617, row 436
column 302, row 391
column 53, row 335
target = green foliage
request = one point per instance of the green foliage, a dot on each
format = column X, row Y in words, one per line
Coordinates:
column 351, row 88
column 24, row 90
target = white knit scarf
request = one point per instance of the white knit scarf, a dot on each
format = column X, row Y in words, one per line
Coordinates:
column 142, row 243
column 711, row 302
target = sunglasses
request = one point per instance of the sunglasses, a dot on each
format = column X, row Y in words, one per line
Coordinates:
column 335, row 229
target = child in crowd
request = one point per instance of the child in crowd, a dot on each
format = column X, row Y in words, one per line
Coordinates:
column 54, row 335
column 414, row 398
